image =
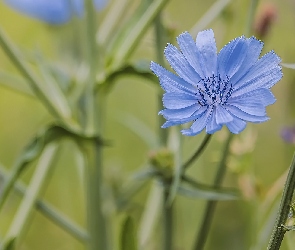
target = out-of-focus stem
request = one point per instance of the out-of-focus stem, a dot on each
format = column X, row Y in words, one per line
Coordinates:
column 199, row 151
column 160, row 45
column 251, row 15
column 168, row 222
column 96, row 221
column 210, row 206
column 37, row 184
column 51, row 213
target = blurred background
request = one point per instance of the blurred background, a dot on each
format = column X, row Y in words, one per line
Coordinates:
column 259, row 158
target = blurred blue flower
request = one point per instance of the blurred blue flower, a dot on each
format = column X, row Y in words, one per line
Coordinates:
column 288, row 134
column 52, row 11
column 212, row 90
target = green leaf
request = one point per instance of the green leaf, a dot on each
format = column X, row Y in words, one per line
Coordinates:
column 146, row 173
column 37, row 86
column 213, row 12
column 128, row 241
column 288, row 65
column 140, row 68
column 150, row 215
column 50, row 212
column 38, row 182
column 127, row 41
column 10, row 245
column 53, row 89
column 15, row 83
column 140, row 128
column 206, row 193
column 125, row 197
column 30, row 153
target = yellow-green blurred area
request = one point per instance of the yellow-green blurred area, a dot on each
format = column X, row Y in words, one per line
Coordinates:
column 259, row 156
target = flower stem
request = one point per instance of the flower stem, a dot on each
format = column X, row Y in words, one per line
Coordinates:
column 210, row 207
column 198, row 152
column 251, row 16
column 96, row 221
column 95, row 218
column 160, row 45
column 168, row 221
column 286, row 201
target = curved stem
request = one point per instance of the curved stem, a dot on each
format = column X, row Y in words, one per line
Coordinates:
column 198, row 152
column 286, row 201
column 210, row 207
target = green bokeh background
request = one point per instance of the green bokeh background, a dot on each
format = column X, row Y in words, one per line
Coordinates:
column 235, row 223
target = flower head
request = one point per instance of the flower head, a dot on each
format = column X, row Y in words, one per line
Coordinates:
column 52, row 11
column 211, row 90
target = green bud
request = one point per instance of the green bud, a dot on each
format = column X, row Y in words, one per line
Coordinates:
column 163, row 160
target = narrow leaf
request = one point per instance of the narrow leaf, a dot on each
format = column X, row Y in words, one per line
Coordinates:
column 140, row 129
column 128, row 235
column 150, row 215
column 206, row 193
column 129, row 42
column 30, row 153
column 38, row 182
column 209, row 16
column 15, row 83
column 288, row 65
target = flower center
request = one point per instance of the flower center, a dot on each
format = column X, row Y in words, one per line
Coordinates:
column 214, row 90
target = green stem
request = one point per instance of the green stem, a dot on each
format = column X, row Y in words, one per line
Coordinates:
column 129, row 44
column 160, row 45
column 95, row 218
column 199, row 151
column 251, row 15
column 168, row 221
column 51, row 213
column 96, row 222
column 286, row 201
column 210, row 207
column 39, row 181
column 89, row 97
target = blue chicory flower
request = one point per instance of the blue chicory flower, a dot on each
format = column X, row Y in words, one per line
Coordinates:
column 52, row 11
column 211, row 90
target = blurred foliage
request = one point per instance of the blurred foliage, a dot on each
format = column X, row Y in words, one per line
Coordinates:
column 259, row 156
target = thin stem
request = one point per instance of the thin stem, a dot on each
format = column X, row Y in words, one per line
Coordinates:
column 168, row 221
column 286, row 201
column 251, row 15
column 39, row 181
column 160, row 45
column 51, row 213
column 89, row 97
column 199, row 151
column 210, row 207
